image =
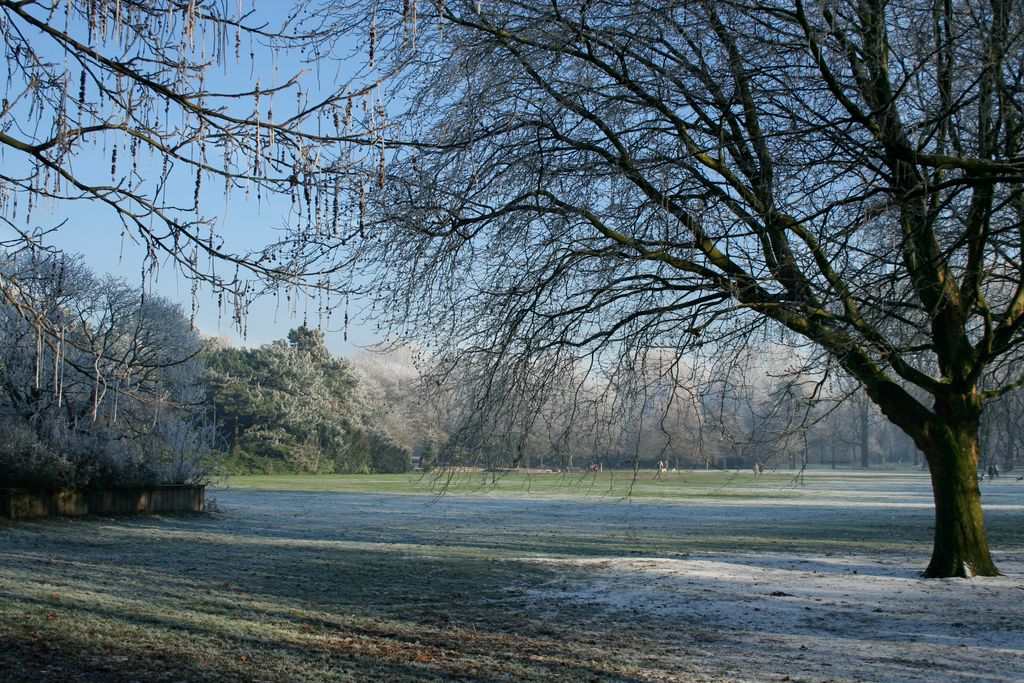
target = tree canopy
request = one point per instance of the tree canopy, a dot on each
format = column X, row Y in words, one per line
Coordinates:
column 582, row 183
column 114, row 400
column 290, row 406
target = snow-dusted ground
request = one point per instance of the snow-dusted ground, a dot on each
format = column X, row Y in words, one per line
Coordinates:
column 818, row 583
column 817, row 617
column 779, row 617
column 760, row 581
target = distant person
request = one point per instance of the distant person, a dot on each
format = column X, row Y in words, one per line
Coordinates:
column 662, row 469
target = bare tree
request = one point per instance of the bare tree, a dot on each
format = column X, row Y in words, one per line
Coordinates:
column 586, row 181
column 152, row 108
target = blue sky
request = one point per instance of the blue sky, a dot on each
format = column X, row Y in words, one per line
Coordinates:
column 93, row 232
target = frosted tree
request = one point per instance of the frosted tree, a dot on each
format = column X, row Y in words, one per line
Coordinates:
column 114, row 399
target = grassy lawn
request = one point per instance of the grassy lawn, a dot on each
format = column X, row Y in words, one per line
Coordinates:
column 612, row 484
column 706, row 577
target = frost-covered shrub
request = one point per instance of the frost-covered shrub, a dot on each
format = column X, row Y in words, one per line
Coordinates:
column 106, row 392
column 64, row 458
column 26, row 462
column 180, row 450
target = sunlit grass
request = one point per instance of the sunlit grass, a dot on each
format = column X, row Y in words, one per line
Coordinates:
column 614, row 484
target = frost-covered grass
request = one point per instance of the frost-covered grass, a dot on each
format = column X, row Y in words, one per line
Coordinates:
column 757, row 581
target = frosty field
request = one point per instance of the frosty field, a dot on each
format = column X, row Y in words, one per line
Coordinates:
column 708, row 577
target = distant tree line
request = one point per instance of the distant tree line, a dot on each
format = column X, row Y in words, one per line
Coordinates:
column 690, row 413
column 120, row 390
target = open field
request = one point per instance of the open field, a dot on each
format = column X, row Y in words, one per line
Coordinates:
column 616, row 484
column 709, row 578
column 609, row 484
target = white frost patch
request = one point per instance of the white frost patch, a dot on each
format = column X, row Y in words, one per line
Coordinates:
column 828, row 618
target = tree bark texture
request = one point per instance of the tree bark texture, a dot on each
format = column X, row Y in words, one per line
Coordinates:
column 961, row 547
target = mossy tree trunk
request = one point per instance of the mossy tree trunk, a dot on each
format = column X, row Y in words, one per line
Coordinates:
column 947, row 435
column 961, row 546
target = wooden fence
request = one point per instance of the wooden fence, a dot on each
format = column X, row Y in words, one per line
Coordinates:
column 18, row 503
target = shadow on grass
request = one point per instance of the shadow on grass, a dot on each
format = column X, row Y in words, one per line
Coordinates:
column 312, row 647
column 268, row 609
column 293, row 587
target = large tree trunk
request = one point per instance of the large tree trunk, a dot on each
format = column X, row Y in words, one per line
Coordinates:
column 948, row 438
column 961, row 548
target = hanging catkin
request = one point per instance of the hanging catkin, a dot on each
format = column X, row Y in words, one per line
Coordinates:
column 362, row 209
column 62, row 347
column 39, row 350
column 96, row 388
